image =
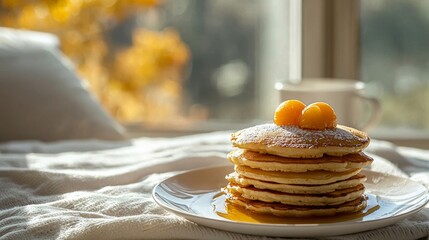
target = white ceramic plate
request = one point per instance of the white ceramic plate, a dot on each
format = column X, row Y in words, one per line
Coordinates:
column 191, row 195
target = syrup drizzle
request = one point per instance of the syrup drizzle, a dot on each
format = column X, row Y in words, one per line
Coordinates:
column 235, row 213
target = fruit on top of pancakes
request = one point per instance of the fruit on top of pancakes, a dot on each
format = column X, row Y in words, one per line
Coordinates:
column 329, row 116
column 317, row 115
column 288, row 112
column 311, row 118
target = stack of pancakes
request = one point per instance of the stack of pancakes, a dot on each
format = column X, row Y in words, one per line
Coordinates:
column 289, row 171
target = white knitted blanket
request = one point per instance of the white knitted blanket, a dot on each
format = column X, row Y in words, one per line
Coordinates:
column 102, row 190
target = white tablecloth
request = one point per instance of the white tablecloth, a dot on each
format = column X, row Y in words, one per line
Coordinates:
column 102, row 190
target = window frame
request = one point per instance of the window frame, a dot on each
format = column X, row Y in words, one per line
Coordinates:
column 330, row 39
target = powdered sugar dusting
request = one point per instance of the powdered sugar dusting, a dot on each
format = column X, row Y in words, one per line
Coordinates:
column 292, row 136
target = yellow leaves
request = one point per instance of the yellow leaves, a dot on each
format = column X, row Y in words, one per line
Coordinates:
column 152, row 55
column 34, row 14
column 123, row 104
column 152, row 68
column 63, row 10
column 139, row 82
column 10, row 4
column 166, row 46
column 146, row 3
column 26, row 18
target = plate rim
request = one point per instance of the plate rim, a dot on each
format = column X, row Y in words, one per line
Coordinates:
column 279, row 225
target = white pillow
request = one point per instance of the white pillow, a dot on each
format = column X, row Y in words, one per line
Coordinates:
column 41, row 97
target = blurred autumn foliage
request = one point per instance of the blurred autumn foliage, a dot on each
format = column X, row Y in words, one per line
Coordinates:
column 141, row 81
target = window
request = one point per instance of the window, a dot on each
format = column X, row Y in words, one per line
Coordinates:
column 239, row 50
column 395, row 60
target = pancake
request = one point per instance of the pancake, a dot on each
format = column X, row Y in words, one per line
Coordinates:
column 285, row 210
column 270, row 162
column 332, row 198
column 234, row 178
column 294, row 142
column 306, row 178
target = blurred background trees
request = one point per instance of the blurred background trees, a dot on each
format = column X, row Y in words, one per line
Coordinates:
column 135, row 71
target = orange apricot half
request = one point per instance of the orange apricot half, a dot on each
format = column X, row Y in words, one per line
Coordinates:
column 329, row 117
column 288, row 112
column 312, row 118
